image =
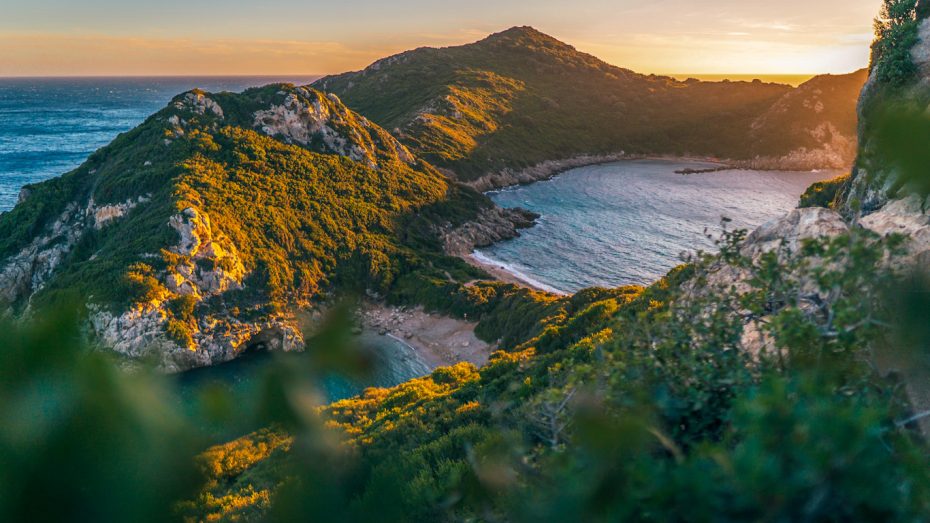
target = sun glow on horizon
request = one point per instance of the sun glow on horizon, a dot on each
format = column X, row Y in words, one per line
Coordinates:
column 720, row 38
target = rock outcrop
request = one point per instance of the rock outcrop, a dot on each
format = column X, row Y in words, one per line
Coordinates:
column 542, row 171
column 810, row 127
column 493, row 225
column 27, row 271
column 311, row 119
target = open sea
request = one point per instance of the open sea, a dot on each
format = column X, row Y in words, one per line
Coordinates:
column 48, row 126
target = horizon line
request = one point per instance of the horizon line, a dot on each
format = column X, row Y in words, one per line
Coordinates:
column 259, row 75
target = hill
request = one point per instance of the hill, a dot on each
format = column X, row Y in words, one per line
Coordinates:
column 491, row 111
column 199, row 234
column 770, row 381
column 813, row 125
column 774, row 380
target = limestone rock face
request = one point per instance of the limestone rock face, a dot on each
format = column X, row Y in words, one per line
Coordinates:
column 199, row 103
column 783, row 236
column 796, row 226
column 210, row 268
column 139, row 333
column 906, row 216
column 24, row 273
column 308, row 118
column 208, row 265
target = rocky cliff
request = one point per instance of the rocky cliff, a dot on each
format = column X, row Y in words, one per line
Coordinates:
column 197, row 235
column 811, row 127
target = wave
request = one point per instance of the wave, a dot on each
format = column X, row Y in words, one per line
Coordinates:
column 516, row 273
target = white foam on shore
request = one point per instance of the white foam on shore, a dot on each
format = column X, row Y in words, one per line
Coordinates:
column 513, row 271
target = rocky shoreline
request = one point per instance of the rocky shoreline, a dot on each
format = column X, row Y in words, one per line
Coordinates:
column 493, row 224
column 801, row 160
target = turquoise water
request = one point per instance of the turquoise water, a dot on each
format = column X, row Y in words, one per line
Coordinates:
column 48, row 126
column 390, row 360
column 629, row 222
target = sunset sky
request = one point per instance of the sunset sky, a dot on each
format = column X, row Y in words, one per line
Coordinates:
column 213, row 37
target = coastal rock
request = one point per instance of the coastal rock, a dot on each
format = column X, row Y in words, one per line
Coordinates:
column 906, row 216
column 139, row 333
column 107, row 213
column 783, row 236
column 539, row 172
column 493, row 224
column 836, row 151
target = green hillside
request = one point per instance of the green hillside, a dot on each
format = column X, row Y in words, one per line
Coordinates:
column 783, row 378
column 201, row 231
column 520, row 97
column 745, row 386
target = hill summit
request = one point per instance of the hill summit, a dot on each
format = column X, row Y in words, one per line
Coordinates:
column 520, row 104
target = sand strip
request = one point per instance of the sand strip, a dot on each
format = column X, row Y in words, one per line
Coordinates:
column 439, row 340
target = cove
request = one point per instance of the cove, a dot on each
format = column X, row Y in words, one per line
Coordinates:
column 630, row 222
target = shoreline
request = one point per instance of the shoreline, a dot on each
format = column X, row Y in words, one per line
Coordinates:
column 549, row 169
column 440, row 340
column 502, row 274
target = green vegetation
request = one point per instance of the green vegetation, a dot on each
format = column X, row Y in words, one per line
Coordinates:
column 108, row 444
column 653, row 411
column 520, row 97
column 691, row 399
column 895, row 35
column 821, row 111
column 296, row 221
column 825, row 193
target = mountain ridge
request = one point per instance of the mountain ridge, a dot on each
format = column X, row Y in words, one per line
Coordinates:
column 495, row 111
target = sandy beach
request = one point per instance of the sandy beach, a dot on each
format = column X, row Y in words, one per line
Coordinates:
column 440, row 340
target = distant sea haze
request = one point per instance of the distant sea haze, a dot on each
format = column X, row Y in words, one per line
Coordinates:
column 48, row 126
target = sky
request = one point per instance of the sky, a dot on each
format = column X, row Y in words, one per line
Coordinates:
column 307, row 37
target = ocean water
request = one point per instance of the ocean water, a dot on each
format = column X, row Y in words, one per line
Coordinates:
column 392, row 362
column 630, row 222
column 48, row 126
